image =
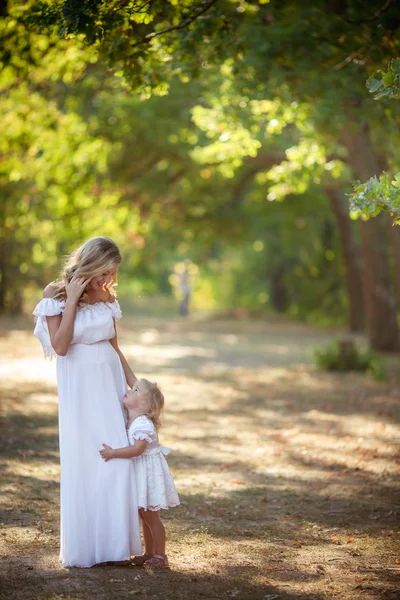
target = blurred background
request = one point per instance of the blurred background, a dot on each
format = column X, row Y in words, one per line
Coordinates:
column 230, row 145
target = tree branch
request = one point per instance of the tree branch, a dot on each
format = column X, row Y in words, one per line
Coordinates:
column 261, row 162
column 378, row 14
column 150, row 36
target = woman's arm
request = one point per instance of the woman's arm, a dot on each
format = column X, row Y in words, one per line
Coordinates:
column 61, row 327
column 127, row 452
column 129, row 374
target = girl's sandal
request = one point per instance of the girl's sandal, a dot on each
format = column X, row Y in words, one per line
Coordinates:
column 139, row 561
column 157, row 561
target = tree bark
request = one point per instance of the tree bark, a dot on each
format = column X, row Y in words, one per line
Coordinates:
column 3, row 278
column 351, row 259
column 278, row 292
column 380, row 305
column 394, row 236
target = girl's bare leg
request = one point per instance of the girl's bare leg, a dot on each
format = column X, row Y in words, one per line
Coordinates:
column 148, row 543
column 148, row 538
column 152, row 518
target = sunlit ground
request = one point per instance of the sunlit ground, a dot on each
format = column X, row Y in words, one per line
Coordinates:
column 287, row 476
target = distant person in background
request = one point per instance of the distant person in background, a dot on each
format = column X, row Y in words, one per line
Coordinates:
column 186, row 289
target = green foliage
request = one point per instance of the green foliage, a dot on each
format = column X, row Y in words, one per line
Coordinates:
column 269, row 42
column 386, row 84
column 383, row 193
column 52, row 164
column 145, row 42
column 375, row 195
column 200, row 173
column 344, row 355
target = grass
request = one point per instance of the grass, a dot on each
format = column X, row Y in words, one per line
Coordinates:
column 288, row 476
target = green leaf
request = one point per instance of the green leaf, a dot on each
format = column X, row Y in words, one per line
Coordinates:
column 374, row 84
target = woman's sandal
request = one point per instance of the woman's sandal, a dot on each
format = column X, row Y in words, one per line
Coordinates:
column 157, row 561
column 139, row 561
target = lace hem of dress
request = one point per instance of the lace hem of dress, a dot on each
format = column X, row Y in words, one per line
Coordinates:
column 160, row 506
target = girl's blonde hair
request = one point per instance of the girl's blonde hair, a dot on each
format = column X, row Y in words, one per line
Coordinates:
column 96, row 256
column 154, row 400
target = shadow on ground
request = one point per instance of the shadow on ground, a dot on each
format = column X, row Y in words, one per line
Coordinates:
column 287, row 476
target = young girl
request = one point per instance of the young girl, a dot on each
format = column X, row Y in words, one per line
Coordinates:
column 156, row 489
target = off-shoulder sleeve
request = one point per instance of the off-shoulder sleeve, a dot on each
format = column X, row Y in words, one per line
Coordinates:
column 48, row 307
column 142, row 429
column 115, row 309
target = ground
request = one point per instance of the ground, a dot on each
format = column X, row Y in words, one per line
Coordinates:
column 287, row 475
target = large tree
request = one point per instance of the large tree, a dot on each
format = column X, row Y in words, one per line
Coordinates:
column 319, row 56
column 322, row 53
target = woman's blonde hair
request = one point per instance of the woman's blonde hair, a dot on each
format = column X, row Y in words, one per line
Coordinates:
column 154, row 400
column 96, row 256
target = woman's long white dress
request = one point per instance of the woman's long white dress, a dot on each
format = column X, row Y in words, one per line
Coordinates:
column 99, row 511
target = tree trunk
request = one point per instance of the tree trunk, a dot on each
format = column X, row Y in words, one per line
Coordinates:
column 278, row 291
column 351, row 259
column 394, row 236
column 380, row 305
column 3, row 281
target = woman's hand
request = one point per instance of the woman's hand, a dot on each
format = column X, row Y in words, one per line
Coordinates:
column 107, row 453
column 75, row 288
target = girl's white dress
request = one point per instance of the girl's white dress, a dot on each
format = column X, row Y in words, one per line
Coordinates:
column 156, row 488
column 99, row 511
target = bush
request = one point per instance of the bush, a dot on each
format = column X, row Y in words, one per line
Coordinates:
column 344, row 355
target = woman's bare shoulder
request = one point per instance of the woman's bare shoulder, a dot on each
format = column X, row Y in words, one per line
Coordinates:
column 49, row 291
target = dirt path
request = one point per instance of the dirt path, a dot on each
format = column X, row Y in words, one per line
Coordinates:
column 287, row 476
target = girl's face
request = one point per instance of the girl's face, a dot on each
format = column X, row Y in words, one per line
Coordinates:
column 98, row 281
column 136, row 397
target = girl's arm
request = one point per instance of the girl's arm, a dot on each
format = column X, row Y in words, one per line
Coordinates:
column 129, row 374
column 127, row 452
column 61, row 327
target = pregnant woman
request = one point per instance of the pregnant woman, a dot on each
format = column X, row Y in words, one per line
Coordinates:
column 76, row 321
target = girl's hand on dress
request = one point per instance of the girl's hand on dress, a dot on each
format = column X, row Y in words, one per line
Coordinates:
column 76, row 287
column 107, row 453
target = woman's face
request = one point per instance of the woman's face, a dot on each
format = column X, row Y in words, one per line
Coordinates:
column 98, row 281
